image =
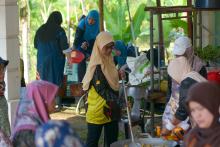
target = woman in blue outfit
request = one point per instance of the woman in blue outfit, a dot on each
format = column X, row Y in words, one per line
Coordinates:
column 86, row 32
column 50, row 40
column 121, row 59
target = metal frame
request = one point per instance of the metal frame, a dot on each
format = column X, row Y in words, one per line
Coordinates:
column 158, row 11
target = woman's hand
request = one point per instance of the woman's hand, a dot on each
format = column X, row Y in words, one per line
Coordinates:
column 68, row 55
column 122, row 74
column 85, row 45
column 165, row 132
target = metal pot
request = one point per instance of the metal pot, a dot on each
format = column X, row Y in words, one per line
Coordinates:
column 154, row 142
column 137, row 92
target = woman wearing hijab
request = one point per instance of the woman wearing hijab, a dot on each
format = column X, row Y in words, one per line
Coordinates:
column 183, row 47
column 120, row 60
column 33, row 110
column 203, row 103
column 56, row 134
column 86, row 32
column 102, row 83
column 50, row 40
column 181, row 72
column 4, row 121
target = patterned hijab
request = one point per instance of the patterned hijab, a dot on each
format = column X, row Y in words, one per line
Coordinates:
column 4, row 140
column 208, row 95
column 179, row 69
column 91, row 31
column 32, row 109
column 106, row 62
column 56, row 134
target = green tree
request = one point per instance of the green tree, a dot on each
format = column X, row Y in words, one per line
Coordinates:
column 117, row 20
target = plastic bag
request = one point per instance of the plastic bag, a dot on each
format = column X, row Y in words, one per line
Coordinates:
column 139, row 67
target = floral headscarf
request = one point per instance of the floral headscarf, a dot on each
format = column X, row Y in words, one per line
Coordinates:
column 32, row 109
column 56, row 134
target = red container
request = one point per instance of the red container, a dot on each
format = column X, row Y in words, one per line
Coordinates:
column 214, row 76
column 77, row 56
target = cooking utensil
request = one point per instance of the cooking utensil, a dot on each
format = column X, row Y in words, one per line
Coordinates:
column 132, row 143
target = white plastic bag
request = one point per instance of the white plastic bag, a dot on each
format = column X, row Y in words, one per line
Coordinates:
column 139, row 67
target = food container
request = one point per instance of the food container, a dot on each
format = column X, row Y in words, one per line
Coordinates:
column 77, row 56
column 214, row 76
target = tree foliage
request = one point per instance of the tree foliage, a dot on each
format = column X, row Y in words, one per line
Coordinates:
column 115, row 16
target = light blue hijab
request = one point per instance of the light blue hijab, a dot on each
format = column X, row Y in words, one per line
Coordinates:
column 120, row 45
column 91, row 31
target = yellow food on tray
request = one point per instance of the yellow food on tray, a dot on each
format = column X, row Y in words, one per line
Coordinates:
column 176, row 135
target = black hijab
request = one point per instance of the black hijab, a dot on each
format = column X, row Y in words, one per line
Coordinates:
column 4, row 62
column 208, row 95
column 48, row 31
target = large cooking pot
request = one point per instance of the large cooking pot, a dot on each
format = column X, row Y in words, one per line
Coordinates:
column 154, row 142
column 207, row 4
column 136, row 92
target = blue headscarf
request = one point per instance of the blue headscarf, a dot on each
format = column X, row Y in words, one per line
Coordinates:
column 120, row 45
column 91, row 31
column 56, row 134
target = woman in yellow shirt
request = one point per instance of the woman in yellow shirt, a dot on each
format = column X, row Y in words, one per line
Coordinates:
column 102, row 82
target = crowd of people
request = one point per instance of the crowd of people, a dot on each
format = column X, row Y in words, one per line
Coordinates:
column 193, row 104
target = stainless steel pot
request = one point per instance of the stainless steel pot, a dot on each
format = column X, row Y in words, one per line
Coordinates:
column 154, row 142
column 137, row 92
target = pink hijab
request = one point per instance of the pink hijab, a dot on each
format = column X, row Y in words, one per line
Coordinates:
column 32, row 109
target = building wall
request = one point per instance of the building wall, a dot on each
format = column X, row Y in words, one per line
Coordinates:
column 208, row 28
column 9, row 49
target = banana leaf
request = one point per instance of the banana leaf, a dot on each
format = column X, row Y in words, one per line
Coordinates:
column 137, row 21
column 118, row 24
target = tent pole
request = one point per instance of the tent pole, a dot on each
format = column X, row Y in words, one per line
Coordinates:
column 101, row 16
